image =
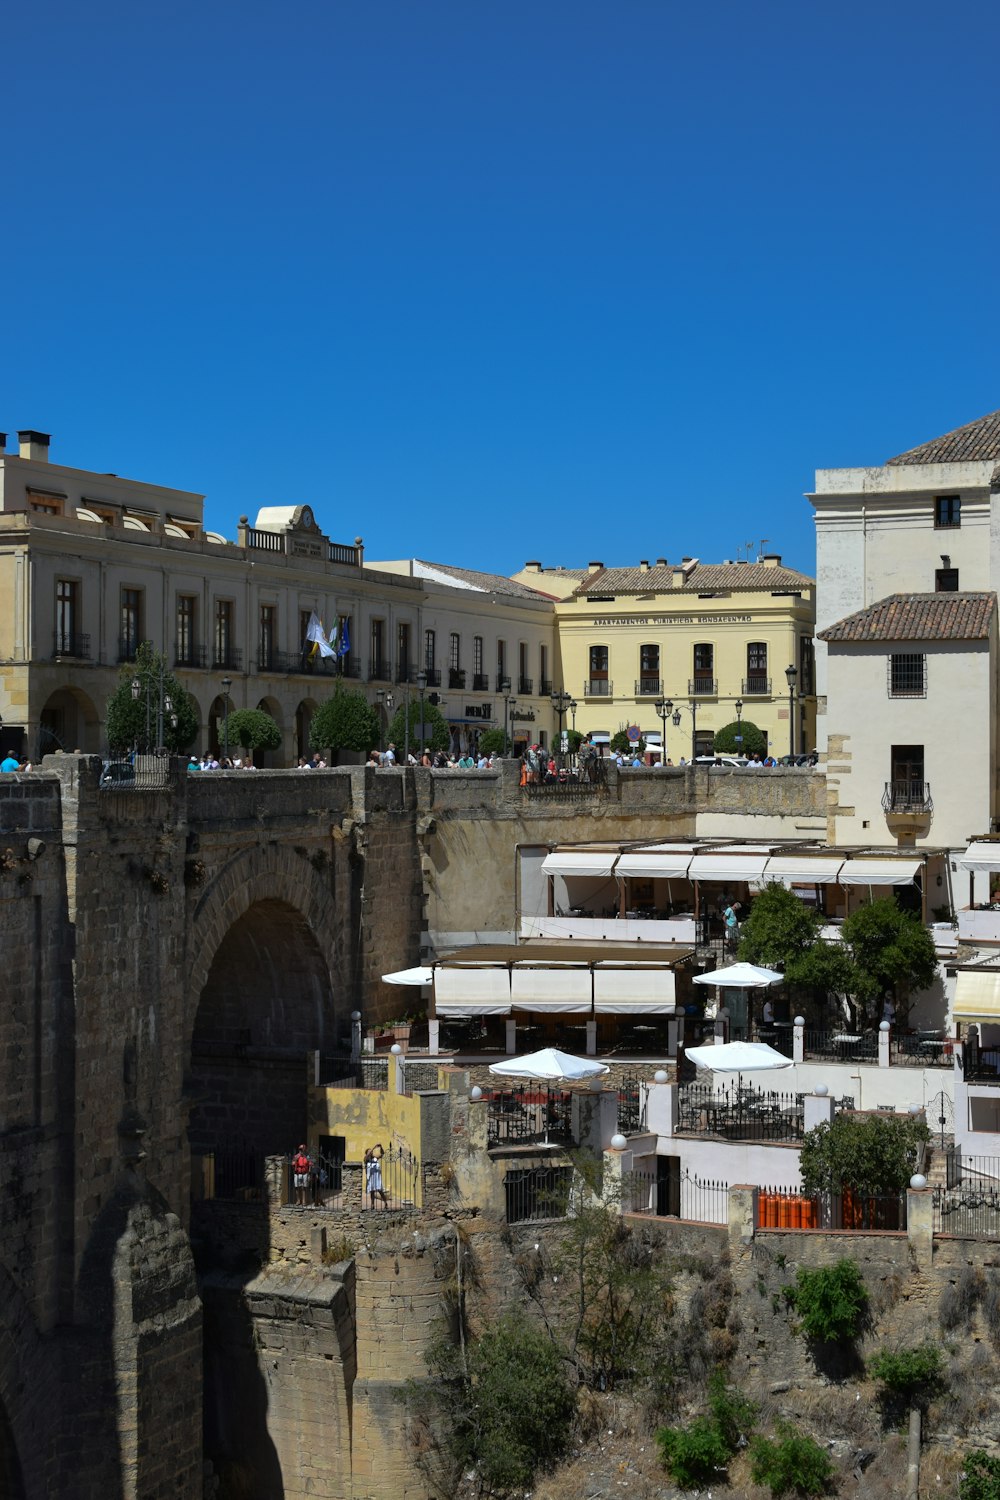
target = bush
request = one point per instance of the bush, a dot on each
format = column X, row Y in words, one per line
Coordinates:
column 494, row 742
column 872, row 1154
column 694, row 1454
column 751, row 740
column 346, row 721
column 253, row 729
column 733, row 1413
column 791, row 1461
column 133, row 722
column 980, row 1478
column 909, row 1372
column 831, row 1302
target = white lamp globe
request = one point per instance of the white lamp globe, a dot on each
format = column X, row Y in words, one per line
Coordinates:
column 659, row 1076
column 918, row 1180
column 618, row 1142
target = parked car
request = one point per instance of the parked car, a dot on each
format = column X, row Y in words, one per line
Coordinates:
column 117, row 773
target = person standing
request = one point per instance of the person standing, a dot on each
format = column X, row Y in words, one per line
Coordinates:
column 373, row 1175
column 301, row 1172
column 731, row 917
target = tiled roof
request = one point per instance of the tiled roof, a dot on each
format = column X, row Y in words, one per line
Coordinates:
column 470, row 578
column 975, row 441
column 703, row 578
column 918, row 617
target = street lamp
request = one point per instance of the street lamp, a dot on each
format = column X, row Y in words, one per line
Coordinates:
column 560, row 702
column 421, row 688
column 227, row 683
column 692, row 708
column 790, row 676
column 508, row 707
column 663, row 708
column 573, row 706
column 385, row 704
column 739, row 724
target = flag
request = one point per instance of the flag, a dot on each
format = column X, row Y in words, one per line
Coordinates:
column 315, row 633
column 335, row 637
column 345, row 638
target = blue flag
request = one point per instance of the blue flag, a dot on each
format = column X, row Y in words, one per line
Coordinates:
column 344, row 644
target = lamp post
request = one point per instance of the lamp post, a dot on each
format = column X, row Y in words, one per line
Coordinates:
column 739, row 725
column 504, row 686
column 573, row 706
column 663, row 708
column 421, row 689
column 227, row 683
column 164, row 704
column 385, row 705
column 790, row 676
column 560, row 702
column 692, row 708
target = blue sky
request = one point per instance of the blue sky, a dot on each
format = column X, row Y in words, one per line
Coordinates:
column 486, row 282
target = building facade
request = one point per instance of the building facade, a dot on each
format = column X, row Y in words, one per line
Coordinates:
column 714, row 641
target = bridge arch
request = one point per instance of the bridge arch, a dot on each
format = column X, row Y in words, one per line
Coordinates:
column 263, row 992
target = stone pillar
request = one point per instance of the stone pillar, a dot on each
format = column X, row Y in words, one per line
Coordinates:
column 673, row 1035
column 799, row 1040
column 591, row 1038
column 817, row 1109
column 355, row 1035
column 662, row 1108
column 594, row 1119
column 510, row 1045
column 434, row 1037
column 883, row 1044
column 742, row 1216
column 920, row 1224
column 276, row 1180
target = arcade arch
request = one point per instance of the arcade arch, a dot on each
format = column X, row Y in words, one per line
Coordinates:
column 68, row 721
column 272, row 760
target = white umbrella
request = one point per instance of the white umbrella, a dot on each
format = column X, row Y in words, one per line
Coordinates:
column 738, row 1057
column 550, row 1064
column 740, row 977
column 419, row 975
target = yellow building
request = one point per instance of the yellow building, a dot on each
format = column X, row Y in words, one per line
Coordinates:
column 686, row 649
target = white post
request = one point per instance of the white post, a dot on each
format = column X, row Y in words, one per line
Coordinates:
column 591, row 1038
column 511, row 1042
column 817, row 1108
column 883, row 1044
column 316, row 1070
column 355, row 1035
column 673, row 1035
column 433, row 1037
column 799, row 1040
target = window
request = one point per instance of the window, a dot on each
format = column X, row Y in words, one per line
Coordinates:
column 480, row 682
column 429, row 649
column 223, row 633
column 757, row 680
column 908, row 674
column 185, row 644
column 67, row 617
column 907, row 791
column 947, row 511
column 131, row 624
column 649, row 669
column 454, row 651
column 704, row 665
column 267, row 637
column 946, row 581
column 544, row 686
column 403, row 653
column 807, row 666
column 376, row 663
column 525, row 686
column 305, row 615
column 501, row 663
column 598, row 661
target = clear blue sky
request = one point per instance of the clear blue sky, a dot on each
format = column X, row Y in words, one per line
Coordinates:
column 487, row 282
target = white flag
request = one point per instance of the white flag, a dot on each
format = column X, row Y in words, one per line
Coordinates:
column 315, row 633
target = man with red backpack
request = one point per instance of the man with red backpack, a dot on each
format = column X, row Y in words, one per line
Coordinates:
column 301, row 1173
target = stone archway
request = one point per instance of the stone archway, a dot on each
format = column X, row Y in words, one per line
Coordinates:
column 262, row 999
column 270, row 760
column 68, row 721
column 303, row 720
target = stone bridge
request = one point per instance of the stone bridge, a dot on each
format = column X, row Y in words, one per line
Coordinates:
column 172, row 956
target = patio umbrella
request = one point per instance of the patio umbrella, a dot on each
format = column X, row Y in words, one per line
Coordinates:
column 421, row 975
column 551, row 1065
column 738, row 1057
column 740, row 977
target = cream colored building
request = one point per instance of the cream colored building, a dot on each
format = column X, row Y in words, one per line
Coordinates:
column 92, row 564
column 703, row 636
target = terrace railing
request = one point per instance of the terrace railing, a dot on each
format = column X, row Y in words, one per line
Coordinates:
column 739, row 1113
column 630, row 1112
column 354, row 1073
column 694, row 1199
column 841, row 1046
column 534, row 1193
column 533, row 1112
column 968, row 1206
column 851, row 1211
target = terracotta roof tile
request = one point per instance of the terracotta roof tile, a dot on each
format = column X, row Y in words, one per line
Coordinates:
column 918, row 617
column 978, row 440
column 491, row 583
column 703, row 578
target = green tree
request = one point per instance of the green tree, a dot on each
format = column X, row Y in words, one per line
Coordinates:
column 132, row 720
column 782, row 932
column 439, row 739
column 493, row 742
column 574, row 740
column 346, row 721
column 253, row 729
column 869, row 1154
column 980, row 1478
column 831, row 1302
column 790, row 1462
column 890, row 951
column 914, row 1374
column 620, row 742
column 754, row 740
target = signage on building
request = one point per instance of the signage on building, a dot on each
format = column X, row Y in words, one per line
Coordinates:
column 522, row 716
column 479, row 710
column 673, row 620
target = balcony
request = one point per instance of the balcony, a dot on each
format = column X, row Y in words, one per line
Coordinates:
column 405, row 673
column 756, row 687
column 480, row 682
column 267, row 659
column 649, row 687
column 525, row 687
column 128, row 645
column 703, row 687
column 980, row 1064
column 598, row 687
column 907, row 797
column 379, row 670
column 186, row 655
column 71, row 643
column 227, row 659
column 456, row 677
column 545, row 687
column 433, row 676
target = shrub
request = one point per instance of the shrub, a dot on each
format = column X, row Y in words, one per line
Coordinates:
column 346, row 721
column 980, row 1478
column 694, row 1454
column 253, row 729
column 733, row 1413
column 959, row 1299
column 831, row 1302
column 790, row 1461
column 493, row 742
column 867, row 1153
column 741, row 737
column 909, row 1373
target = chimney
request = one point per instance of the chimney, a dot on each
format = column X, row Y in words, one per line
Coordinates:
column 533, row 567
column 595, row 567
column 34, row 445
column 771, row 559
column 644, row 565
column 661, row 562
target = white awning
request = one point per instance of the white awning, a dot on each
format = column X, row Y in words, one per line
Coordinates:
column 727, row 867
column 980, row 857
column 561, row 991
column 803, row 869
column 977, row 995
column 580, row 862
column 879, row 871
column 472, row 992
column 661, row 864
column 633, row 991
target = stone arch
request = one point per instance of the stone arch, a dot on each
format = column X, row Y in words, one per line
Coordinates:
column 68, row 721
column 269, row 760
column 303, row 719
column 262, row 997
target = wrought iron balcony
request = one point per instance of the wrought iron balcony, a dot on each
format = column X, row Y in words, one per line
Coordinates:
column 525, row 687
column 405, row 673
column 598, row 687
column 756, row 687
column 188, row 656
column 433, row 676
column 545, row 687
column 907, row 797
column 227, row 659
column 379, row 670
column 649, row 687
column 128, row 645
column 456, row 677
column 480, row 682
column 71, row 643
column 703, row 687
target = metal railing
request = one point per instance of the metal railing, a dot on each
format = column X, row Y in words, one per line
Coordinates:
column 630, row 1111
column 391, row 1183
column 841, row 1046
column 379, row 670
column 919, row 1050
column 849, row 1210
column 525, row 687
column 456, row 677
column 238, row 1171
column 405, row 673
column 980, row 1064
column 756, row 687
column 189, row 656
column 71, row 643
column 128, row 645
column 354, row 1073
column 706, row 687
column 144, row 772
column 433, row 676
column 598, row 687
column 907, row 797
column 480, row 682
column 648, row 687
column 531, row 1112
column 325, row 1185
column 229, row 658
column 739, row 1113
column 688, row 1197
column 545, row 687
column 534, row 1193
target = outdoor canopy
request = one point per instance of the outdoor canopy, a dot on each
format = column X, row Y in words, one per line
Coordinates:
column 419, row 975
column 462, row 991
column 550, row 1064
column 580, row 863
column 727, row 867
column 980, row 857
column 879, row 871
column 738, row 1057
column 740, row 977
column 977, row 995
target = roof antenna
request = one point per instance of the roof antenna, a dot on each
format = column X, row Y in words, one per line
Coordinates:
column 763, row 545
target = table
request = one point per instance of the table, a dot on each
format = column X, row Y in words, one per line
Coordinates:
column 846, row 1043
